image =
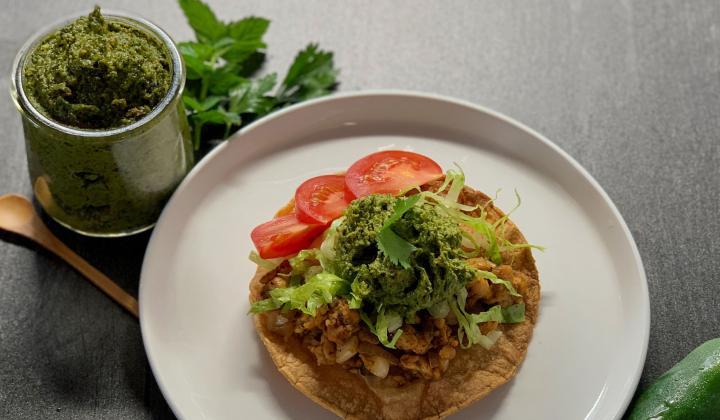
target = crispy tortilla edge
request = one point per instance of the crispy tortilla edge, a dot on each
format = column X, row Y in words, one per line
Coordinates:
column 472, row 375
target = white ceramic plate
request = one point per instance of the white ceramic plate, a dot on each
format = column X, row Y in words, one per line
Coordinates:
column 589, row 345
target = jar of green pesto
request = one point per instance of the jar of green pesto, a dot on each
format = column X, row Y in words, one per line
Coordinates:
column 106, row 135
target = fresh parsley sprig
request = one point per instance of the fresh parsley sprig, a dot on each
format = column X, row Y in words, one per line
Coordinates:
column 222, row 93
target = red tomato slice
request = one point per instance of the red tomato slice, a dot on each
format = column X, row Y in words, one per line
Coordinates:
column 321, row 199
column 283, row 236
column 389, row 172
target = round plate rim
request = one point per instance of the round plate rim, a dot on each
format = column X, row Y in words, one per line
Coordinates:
column 408, row 94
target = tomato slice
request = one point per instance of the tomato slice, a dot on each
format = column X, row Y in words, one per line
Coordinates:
column 389, row 172
column 321, row 199
column 284, row 235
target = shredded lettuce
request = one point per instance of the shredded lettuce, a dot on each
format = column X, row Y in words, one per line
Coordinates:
column 465, row 327
column 354, row 301
column 506, row 245
column 394, row 321
column 308, row 259
column 384, row 323
column 448, row 205
column 468, row 329
column 264, row 306
column 446, row 202
column 397, row 249
column 303, row 262
column 319, row 290
column 269, row 264
column 456, row 184
column 510, row 315
column 496, row 280
column 359, row 290
column 327, row 247
column 484, row 228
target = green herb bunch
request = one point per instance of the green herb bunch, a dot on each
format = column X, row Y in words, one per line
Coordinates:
column 223, row 92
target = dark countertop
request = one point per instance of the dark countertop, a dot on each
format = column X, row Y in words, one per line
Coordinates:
column 630, row 89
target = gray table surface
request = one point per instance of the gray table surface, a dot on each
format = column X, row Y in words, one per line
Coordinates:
column 631, row 89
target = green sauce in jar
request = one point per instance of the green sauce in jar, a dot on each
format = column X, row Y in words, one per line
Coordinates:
column 95, row 73
column 106, row 135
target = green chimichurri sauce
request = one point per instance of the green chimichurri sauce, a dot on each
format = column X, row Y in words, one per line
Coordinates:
column 104, row 73
column 96, row 73
column 438, row 267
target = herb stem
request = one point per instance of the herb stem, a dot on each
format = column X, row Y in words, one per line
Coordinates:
column 203, row 89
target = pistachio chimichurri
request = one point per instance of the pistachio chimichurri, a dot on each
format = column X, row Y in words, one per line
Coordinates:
column 91, row 168
column 97, row 73
column 438, row 268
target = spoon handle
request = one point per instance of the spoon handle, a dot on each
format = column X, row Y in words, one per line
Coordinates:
column 97, row 278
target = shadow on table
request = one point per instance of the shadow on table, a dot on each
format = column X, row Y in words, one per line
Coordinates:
column 121, row 260
column 83, row 351
column 118, row 258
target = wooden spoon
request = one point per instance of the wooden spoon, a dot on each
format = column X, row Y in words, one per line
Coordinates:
column 17, row 215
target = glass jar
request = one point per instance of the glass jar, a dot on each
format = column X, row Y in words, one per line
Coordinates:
column 107, row 182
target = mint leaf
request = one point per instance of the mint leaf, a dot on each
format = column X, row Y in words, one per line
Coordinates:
column 196, row 57
column 252, row 64
column 205, row 105
column 250, row 97
column 196, row 68
column 397, row 249
column 215, row 116
column 201, row 18
column 203, row 52
column 248, row 29
column 242, row 50
column 223, row 79
column 311, row 74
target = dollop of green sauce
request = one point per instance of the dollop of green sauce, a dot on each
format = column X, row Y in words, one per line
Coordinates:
column 438, row 269
column 97, row 73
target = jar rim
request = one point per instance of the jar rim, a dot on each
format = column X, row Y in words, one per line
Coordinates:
column 176, row 83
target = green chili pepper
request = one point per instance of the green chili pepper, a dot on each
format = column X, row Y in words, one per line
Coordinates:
column 690, row 390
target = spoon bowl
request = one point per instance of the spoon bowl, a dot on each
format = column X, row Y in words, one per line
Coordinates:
column 16, row 213
column 18, row 216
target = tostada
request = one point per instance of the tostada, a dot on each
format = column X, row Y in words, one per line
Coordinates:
column 393, row 291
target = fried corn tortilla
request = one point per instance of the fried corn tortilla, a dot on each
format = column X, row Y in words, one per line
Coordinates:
column 472, row 374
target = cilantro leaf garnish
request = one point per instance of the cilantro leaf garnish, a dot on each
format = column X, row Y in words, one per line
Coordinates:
column 397, row 249
column 222, row 93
